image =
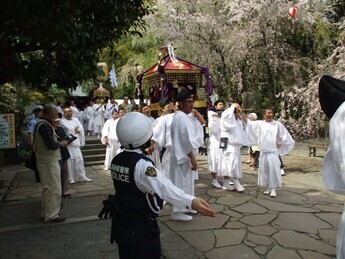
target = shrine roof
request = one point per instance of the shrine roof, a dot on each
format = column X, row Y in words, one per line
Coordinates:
column 169, row 65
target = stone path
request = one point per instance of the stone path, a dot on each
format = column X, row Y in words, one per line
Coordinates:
column 301, row 222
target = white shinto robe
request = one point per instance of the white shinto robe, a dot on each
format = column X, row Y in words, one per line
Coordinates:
column 232, row 129
column 183, row 139
column 90, row 117
column 75, row 111
column 155, row 155
column 214, row 155
column 162, row 138
column 113, row 147
column 270, row 135
column 109, row 108
column 98, row 118
column 75, row 164
column 333, row 168
column 199, row 135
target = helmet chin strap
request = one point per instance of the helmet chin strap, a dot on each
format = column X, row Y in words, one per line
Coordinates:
column 145, row 146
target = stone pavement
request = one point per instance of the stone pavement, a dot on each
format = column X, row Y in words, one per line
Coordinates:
column 301, row 222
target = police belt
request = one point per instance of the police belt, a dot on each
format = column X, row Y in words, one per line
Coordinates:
column 125, row 216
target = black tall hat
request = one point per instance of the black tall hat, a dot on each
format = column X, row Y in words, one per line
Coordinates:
column 331, row 94
column 184, row 94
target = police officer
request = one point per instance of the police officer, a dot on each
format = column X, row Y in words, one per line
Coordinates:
column 140, row 191
column 37, row 112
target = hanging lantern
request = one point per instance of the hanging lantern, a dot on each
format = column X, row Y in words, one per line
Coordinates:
column 292, row 11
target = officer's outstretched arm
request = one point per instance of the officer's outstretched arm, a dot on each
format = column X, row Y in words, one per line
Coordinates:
column 202, row 207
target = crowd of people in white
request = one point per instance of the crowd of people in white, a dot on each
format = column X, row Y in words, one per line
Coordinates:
column 180, row 128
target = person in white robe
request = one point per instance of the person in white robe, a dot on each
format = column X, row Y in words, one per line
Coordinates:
column 75, row 164
column 182, row 160
column 98, row 117
column 153, row 154
column 215, row 156
column 109, row 138
column 332, row 101
column 251, row 154
column 81, row 117
column 274, row 141
column 161, row 139
column 333, row 168
column 89, row 117
column 233, row 137
column 109, row 108
column 146, row 110
column 254, row 151
column 198, row 123
column 75, row 111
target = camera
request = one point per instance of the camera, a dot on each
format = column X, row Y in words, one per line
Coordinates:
column 70, row 138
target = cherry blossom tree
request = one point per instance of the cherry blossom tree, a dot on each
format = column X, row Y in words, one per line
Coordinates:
column 257, row 54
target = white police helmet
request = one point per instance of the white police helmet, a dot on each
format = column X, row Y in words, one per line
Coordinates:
column 134, row 130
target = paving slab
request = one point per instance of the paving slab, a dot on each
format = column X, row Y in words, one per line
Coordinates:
column 258, row 239
column 235, row 225
column 231, row 201
column 294, row 240
column 290, row 197
column 229, row 237
column 280, row 252
column 199, row 223
column 281, row 206
column 233, row 214
column 329, row 236
column 238, row 252
column 250, row 208
column 302, row 222
column 313, row 255
column 258, row 220
column 202, row 241
column 266, row 230
column 331, row 218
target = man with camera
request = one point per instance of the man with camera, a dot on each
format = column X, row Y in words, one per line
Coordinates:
column 47, row 149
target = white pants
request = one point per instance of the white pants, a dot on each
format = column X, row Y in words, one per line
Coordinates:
column 76, row 169
column 50, row 176
column 182, row 177
column 269, row 170
column 111, row 151
column 231, row 165
column 165, row 166
column 90, row 125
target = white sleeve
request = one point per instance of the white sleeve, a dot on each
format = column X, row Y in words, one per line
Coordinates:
column 337, row 140
column 331, row 177
column 105, row 131
column 81, row 135
column 159, row 132
column 228, row 120
column 213, row 125
column 285, row 140
column 160, row 185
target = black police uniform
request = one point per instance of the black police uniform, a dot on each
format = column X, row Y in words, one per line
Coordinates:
column 134, row 225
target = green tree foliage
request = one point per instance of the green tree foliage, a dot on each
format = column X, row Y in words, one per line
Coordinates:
column 125, row 54
column 47, row 42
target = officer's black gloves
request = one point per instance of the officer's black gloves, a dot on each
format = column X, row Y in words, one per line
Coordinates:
column 109, row 207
